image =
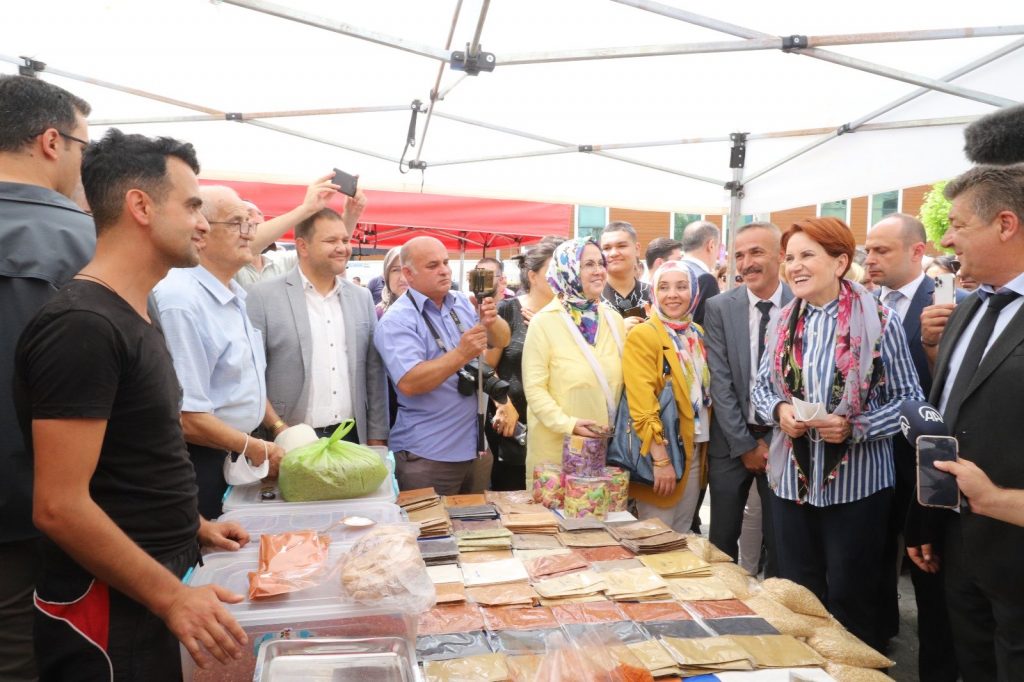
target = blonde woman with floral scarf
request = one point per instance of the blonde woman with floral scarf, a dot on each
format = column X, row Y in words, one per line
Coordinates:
column 832, row 476
column 670, row 338
column 564, row 394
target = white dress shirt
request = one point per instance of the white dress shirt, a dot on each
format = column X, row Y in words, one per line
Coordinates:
column 753, row 320
column 902, row 304
column 1005, row 315
column 330, row 396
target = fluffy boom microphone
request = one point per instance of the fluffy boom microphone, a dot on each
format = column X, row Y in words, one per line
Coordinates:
column 997, row 138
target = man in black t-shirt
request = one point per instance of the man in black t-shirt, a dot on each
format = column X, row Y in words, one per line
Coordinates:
column 624, row 291
column 98, row 401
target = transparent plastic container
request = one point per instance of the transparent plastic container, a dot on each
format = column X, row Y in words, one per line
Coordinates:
column 377, row 659
column 266, row 494
column 317, row 612
column 318, row 516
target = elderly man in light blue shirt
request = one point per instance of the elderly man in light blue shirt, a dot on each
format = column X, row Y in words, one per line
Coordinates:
column 424, row 338
column 218, row 354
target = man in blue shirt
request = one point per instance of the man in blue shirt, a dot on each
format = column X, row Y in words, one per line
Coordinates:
column 218, row 354
column 424, row 338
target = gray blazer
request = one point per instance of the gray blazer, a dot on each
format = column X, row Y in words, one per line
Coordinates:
column 277, row 307
column 727, row 340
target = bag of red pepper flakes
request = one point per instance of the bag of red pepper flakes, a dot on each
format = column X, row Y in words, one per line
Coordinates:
column 289, row 562
column 588, row 658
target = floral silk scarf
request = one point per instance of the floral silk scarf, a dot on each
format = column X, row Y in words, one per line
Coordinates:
column 564, row 277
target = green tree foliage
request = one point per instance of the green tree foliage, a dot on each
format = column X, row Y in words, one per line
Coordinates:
column 935, row 213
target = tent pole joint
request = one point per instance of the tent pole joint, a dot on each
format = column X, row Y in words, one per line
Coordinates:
column 234, row 116
column 31, row 67
column 472, row 62
column 586, row 148
column 738, row 155
column 794, row 42
column 845, row 128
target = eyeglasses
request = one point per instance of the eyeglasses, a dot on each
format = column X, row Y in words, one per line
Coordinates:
column 84, row 143
column 244, row 227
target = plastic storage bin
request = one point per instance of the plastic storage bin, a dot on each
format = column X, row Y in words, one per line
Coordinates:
column 266, row 494
column 316, row 612
column 318, row 516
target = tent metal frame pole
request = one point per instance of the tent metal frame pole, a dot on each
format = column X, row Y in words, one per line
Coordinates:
column 434, row 96
column 562, row 143
column 475, row 45
column 817, row 53
column 754, row 44
column 861, row 123
column 316, row 21
column 322, row 140
column 737, row 161
column 248, row 116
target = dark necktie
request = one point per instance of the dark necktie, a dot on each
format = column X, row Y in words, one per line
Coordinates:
column 979, row 341
column 762, row 327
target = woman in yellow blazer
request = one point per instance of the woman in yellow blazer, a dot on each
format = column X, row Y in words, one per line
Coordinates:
column 670, row 335
column 564, row 395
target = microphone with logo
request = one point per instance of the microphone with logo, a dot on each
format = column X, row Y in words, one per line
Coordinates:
column 923, row 427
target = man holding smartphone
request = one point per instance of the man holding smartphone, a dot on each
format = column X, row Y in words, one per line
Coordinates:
column 978, row 389
column 895, row 249
column 624, row 292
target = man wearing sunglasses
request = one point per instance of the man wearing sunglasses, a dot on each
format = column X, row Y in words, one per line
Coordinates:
column 46, row 238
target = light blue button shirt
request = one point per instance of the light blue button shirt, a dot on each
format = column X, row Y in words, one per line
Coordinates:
column 441, row 424
column 217, row 353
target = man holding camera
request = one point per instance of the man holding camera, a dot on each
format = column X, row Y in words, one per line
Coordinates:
column 426, row 339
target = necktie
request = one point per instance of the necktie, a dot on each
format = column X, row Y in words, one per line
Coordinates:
column 765, row 308
column 979, row 341
column 892, row 299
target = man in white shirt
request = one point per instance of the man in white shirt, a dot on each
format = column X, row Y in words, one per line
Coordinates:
column 322, row 366
column 895, row 249
column 701, row 241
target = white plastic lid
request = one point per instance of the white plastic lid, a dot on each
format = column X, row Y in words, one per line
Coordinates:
column 318, row 516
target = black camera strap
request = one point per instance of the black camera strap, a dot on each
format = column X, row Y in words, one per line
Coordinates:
column 433, row 330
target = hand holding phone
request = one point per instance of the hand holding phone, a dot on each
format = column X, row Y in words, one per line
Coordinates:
column 945, row 289
column 936, row 488
column 347, row 184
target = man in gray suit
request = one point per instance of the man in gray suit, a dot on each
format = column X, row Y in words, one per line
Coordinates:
column 322, row 366
column 735, row 324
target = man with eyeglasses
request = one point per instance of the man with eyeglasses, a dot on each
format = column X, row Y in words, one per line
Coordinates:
column 218, row 354
column 46, row 239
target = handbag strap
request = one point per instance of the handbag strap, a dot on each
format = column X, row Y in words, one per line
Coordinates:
column 594, row 364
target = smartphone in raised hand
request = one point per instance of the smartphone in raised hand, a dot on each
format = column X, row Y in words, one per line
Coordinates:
column 936, row 488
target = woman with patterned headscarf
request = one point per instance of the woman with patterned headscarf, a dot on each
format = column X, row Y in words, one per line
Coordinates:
column 670, row 340
column 565, row 393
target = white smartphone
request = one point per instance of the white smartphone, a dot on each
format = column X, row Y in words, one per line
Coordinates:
column 945, row 289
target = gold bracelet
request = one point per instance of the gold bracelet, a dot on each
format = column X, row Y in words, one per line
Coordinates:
column 661, row 462
column 277, row 426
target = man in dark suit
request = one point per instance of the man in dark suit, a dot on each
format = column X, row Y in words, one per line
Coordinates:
column 701, row 241
column 978, row 388
column 735, row 324
column 895, row 247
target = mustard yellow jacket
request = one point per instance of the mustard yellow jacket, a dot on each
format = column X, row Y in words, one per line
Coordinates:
column 647, row 345
column 560, row 384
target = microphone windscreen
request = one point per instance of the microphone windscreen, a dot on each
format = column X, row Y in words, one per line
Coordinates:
column 997, row 138
column 919, row 418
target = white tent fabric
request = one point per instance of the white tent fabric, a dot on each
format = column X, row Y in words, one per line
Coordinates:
column 222, row 57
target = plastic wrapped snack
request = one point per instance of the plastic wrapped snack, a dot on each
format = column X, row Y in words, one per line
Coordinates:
column 289, row 562
column 583, row 456
column 796, row 598
column 331, row 469
column 586, row 496
column 618, row 488
column 384, row 568
column 548, row 485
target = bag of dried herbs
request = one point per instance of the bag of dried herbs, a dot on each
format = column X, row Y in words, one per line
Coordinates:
column 331, row 469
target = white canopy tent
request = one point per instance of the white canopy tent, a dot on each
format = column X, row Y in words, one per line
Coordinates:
column 626, row 103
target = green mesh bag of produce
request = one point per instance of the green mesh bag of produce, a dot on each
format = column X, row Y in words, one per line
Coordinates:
column 331, row 469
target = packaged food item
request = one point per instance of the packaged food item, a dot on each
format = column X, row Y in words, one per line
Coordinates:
column 548, row 485
column 618, row 488
column 583, row 456
column 289, row 562
column 849, row 673
column 586, row 496
column 385, row 568
column 841, row 646
column 331, row 469
column 794, row 596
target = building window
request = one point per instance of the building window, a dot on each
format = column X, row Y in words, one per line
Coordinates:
column 835, row 209
column 681, row 220
column 590, row 220
column 884, row 204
